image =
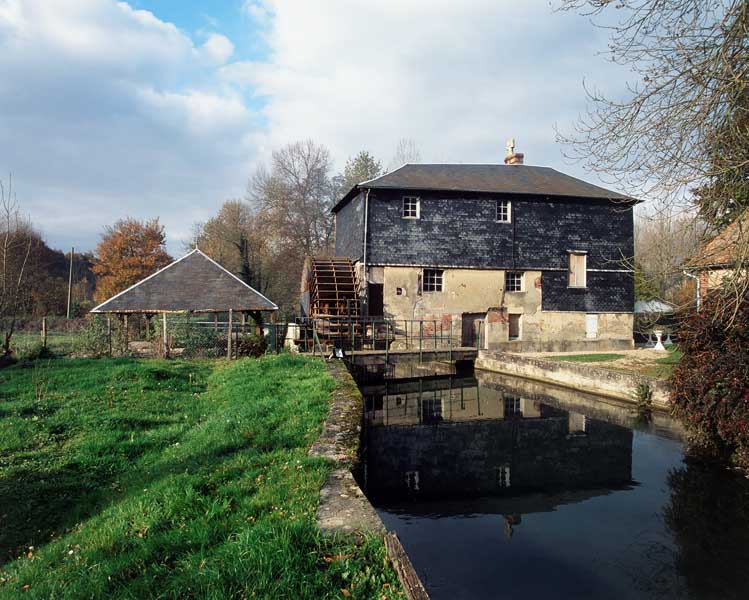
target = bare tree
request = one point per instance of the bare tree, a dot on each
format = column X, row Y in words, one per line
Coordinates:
column 295, row 196
column 680, row 134
column 16, row 243
column 406, row 151
column 665, row 239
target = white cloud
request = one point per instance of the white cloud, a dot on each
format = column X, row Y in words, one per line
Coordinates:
column 258, row 10
column 217, row 48
column 458, row 77
column 111, row 112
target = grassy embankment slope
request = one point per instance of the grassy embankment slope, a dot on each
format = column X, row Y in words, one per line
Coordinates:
column 170, row 479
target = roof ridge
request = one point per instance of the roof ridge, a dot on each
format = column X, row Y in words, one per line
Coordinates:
column 135, row 285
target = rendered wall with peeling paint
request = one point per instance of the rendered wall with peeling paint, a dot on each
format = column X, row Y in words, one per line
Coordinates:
column 482, row 291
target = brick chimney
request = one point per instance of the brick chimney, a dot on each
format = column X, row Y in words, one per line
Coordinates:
column 513, row 158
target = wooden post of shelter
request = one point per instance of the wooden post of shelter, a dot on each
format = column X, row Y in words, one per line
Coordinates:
column 44, row 332
column 257, row 316
column 243, row 318
column 126, row 340
column 228, row 336
column 165, row 333
column 215, row 321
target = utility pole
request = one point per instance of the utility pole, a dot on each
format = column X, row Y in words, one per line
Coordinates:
column 70, row 280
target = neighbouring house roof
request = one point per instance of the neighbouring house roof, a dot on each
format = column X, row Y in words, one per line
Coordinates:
column 721, row 250
column 492, row 179
column 193, row 283
column 652, row 306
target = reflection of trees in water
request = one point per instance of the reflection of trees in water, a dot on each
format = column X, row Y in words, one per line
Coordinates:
column 708, row 515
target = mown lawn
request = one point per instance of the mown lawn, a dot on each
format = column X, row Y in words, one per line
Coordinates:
column 665, row 366
column 170, row 479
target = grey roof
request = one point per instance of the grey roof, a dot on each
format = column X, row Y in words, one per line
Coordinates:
column 194, row 282
column 652, row 306
column 492, row 179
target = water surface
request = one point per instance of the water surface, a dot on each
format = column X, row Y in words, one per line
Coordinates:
column 500, row 488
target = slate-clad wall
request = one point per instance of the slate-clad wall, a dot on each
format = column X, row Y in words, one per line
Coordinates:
column 606, row 292
column 460, row 230
column 349, row 234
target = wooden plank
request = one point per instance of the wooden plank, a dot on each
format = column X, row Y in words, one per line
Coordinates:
column 406, row 573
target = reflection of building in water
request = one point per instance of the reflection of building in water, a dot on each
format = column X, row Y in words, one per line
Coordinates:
column 442, row 398
column 446, row 435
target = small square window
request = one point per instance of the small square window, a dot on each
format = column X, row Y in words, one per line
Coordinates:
column 513, row 281
column 433, row 280
column 411, row 207
column 503, row 211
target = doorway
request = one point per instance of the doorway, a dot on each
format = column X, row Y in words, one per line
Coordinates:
column 376, row 306
column 514, row 328
column 471, row 329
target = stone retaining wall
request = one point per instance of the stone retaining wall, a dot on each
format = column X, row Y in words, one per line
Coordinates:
column 597, row 380
column 343, row 506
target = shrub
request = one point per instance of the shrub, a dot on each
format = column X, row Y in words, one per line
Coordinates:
column 36, row 352
column 710, row 386
column 92, row 339
column 251, row 345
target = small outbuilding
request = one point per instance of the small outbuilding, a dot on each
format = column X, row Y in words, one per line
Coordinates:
column 194, row 283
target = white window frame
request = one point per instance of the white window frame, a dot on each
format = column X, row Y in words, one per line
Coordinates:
column 577, row 283
column 522, row 281
column 438, row 277
column 515, row 406
column 498, row 211
column 416, row 202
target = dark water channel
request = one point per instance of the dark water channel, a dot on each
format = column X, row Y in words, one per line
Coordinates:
column 501, row 488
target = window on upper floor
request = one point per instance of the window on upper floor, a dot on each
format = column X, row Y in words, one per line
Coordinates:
column 513, row 281
column 577, row 270
column 504, row 208
column 411, row 207
column 433, row 280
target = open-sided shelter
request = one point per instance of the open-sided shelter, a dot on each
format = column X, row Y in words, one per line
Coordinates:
column 194, row 283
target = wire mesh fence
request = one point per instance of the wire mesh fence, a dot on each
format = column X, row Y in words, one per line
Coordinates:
column 217, row 336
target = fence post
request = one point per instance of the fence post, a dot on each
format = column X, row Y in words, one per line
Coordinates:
column 387, row 343
column 44, row 332
column 421, row 338
column 228, row 337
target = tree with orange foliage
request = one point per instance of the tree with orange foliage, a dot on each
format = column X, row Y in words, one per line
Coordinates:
column 128, row 252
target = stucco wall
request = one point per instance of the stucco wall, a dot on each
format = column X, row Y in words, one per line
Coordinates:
column 482, row 291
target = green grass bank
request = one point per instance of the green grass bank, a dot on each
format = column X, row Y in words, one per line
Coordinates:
column 171, row 479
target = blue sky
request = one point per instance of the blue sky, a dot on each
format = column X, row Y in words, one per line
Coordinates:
column 165, row 107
